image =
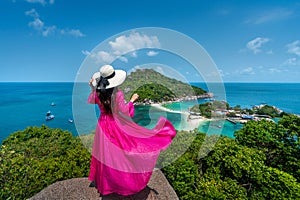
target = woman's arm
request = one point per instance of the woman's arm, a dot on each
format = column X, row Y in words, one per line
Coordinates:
column 127, row 109
column 93, row 97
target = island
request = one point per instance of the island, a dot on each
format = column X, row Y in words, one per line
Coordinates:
column 153, row 87
column 158, row 90
column 236, row 114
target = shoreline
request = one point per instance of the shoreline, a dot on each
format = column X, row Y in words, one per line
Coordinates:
column 178, row 99
column 190, row 123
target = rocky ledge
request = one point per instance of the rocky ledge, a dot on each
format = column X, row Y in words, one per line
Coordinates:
column 78, row 188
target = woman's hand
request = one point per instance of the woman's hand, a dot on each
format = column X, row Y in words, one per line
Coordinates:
column 134, row 97
column 91, row 85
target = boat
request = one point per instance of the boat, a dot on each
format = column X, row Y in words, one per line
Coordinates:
column 218, row 126
column 71, row 120
column 49, row 116
column 52, row 104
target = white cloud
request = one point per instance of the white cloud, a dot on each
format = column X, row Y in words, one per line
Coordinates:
column 36, row 24
column 102, row 56
column 134, row 41
column 124, row 59
column 84, row 52
column 40, row 26
column 222, row 73
column 42, row 2
column 73, row 32
column 152, row 53
column 48, row 30
column 218, row 73
column 271, row 16
column 32, row 13
column 133, row 54
column 291, row 62
column 248, row 71
column 274, row 70
column 126, row 45
column 294, row 48
column 256, row 44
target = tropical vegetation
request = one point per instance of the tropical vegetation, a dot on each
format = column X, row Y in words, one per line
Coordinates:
column 36, row 157
column 261, row 162
column 143, row 79
column 208, row 109
column 154, row 92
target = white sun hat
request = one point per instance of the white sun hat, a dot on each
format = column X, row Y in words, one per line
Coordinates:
column 109, row 77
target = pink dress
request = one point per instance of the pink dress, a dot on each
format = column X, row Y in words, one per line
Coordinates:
column 124, row 154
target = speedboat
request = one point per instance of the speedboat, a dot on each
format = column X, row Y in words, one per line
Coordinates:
column 71, row 120
column 49, row 116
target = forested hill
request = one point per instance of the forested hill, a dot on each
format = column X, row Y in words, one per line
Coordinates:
column 150, row 84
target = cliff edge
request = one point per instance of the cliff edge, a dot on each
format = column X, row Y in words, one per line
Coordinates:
column 78, row 188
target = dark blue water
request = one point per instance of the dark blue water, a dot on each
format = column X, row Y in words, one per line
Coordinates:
column 26, row 104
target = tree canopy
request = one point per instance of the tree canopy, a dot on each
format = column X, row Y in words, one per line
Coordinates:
column 151, row 79
column 209, row 109
column 154, row 92
column 230, row 171
column 279, row 142
column 32, row 159
column 262, row 162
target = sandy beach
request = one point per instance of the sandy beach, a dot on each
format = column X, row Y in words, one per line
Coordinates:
column 187, row 123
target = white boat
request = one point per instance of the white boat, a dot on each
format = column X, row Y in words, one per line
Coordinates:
column 71, row 120
column 49, row 116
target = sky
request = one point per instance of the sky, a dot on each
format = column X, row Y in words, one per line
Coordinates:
column 249, row 41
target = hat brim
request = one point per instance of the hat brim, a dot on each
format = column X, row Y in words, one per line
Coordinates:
column 117, row 80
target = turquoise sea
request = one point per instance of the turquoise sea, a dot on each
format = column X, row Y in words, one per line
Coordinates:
column 26, row 104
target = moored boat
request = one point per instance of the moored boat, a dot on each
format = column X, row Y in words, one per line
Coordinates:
column 49, row 116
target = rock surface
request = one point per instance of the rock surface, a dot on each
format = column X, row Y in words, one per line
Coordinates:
column 78, row 188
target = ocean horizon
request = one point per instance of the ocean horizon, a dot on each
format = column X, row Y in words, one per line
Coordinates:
column 24, row 104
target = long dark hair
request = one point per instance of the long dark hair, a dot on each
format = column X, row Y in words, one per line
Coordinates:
column 105, row 96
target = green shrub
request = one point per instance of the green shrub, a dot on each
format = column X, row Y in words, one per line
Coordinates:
column 280, row 142
column 32, row 159
column 229, row 171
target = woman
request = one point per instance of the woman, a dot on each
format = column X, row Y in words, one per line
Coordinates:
column 124, row 154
